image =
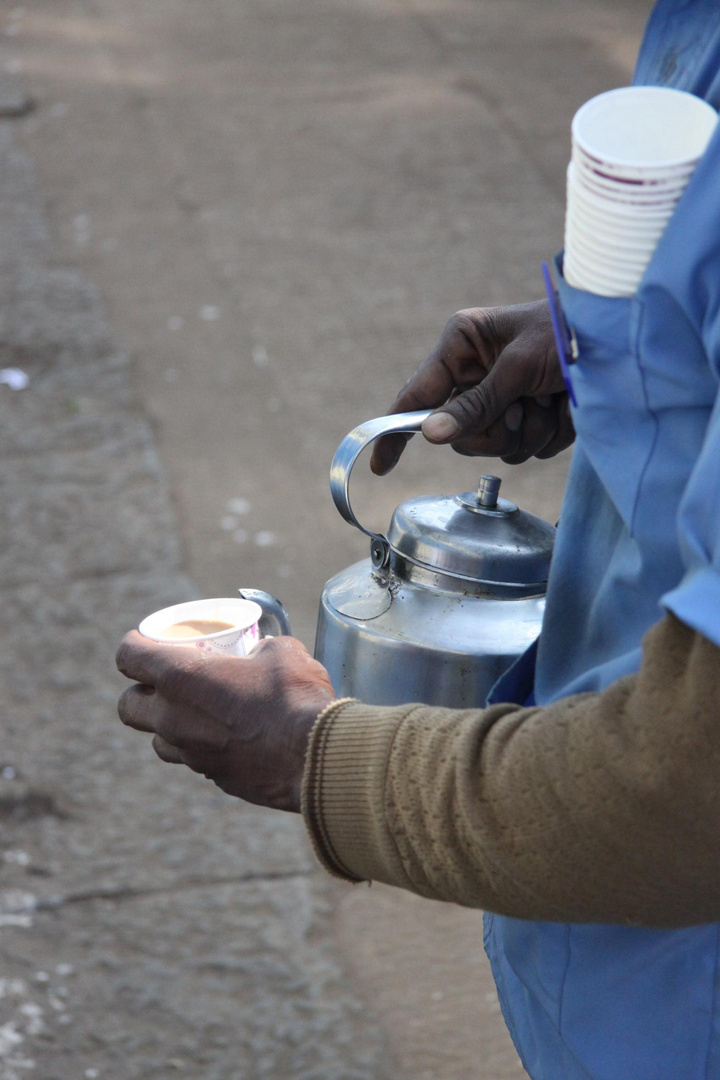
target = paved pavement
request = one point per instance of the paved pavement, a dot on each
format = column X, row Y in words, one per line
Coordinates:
column 228, row 232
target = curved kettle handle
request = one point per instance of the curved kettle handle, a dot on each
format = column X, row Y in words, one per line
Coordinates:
column 352, row 446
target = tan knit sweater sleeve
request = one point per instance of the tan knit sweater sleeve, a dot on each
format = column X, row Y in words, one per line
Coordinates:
column 599, row 808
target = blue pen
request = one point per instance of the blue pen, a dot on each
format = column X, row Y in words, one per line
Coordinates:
column 563, row 337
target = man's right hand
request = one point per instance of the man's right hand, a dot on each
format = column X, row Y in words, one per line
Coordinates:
column 496, row 378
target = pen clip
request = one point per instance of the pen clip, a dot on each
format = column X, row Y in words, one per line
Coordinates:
column 564, row 339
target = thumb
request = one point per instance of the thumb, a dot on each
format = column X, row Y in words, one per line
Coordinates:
column 476, row 409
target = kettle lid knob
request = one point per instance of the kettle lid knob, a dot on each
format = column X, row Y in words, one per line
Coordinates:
column 488, row 490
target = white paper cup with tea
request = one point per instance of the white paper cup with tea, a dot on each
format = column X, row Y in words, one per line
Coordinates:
column 227, row 625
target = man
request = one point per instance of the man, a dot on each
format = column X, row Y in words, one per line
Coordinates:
column 581, row 806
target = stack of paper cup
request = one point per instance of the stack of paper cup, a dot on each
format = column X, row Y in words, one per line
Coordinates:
column 633, row 152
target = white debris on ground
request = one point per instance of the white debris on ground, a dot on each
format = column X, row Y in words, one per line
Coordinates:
column 260, row 356
column 81, row 229
column 17, row 908
column 23, row 1016
column 14, row 378
column 235, row 509
column 265, row 538
column 19, row 858
column 238, row 505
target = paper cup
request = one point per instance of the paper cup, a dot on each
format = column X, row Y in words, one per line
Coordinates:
column 633, row 153
column 653, row 180
column 609, row 243
column 632, row 194
column 626, row 174
column 592, row 219
column 636, row 128
column 588, row 272
column 588, row 268
column 597, row 275
column 242, row 618
column 581, row 278
column 608, row 252
column 618, row 240
column 618, row 202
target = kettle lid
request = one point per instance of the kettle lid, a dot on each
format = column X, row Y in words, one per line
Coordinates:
column 475, row 536
column 476, row 540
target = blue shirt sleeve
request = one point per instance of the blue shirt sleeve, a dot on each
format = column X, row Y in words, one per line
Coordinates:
column 688, row 273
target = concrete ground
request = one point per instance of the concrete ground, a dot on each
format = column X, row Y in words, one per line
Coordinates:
column 228, row 233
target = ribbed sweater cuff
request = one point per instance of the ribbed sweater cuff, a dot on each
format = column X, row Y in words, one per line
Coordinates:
column 343, row 791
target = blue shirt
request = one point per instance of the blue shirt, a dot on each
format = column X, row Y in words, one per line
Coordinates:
column 639, row 533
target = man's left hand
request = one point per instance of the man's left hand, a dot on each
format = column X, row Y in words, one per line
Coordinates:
column 243, row 722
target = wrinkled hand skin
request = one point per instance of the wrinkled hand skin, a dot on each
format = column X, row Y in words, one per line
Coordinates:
column 496, row 372
column 243, row 722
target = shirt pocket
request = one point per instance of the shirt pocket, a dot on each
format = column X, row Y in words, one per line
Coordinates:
column 644, row 393
column 612, row 420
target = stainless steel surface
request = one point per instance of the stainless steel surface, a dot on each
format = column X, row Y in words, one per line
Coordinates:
column 501, row 507
column 361, row 595
column 274, row 617
column 428, row 645
column 500, row 546
column 447, row 600
column 350, row 449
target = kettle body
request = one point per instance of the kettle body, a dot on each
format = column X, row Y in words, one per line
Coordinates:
column 429, row 645
column 449, row 598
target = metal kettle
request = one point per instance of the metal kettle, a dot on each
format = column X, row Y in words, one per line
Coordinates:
column 447, row 600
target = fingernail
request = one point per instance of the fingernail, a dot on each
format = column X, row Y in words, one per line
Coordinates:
column 514, row 417
column 440, row 427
